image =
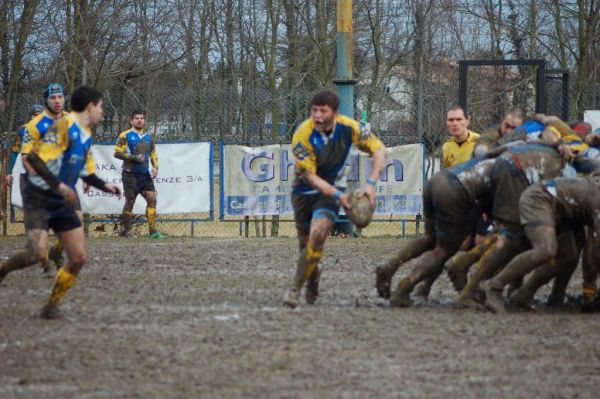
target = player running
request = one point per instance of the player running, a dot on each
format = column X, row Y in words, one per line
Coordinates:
column 321, row 145
column 59, row 159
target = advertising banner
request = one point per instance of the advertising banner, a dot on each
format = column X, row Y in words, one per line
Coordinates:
column 258, row 180
column 183, row 185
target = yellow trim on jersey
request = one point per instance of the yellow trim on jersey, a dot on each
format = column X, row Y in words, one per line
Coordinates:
column 304, row 152
column 121, row 145
column 55, row 142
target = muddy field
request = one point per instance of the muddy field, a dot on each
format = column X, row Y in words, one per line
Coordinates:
column 187, row 318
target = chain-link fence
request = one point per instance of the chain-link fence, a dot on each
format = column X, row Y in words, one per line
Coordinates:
column 402, row 109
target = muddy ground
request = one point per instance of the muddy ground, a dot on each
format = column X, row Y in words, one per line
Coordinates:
column 187, row 318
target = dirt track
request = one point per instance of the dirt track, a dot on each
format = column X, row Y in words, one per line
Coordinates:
column 185, row 318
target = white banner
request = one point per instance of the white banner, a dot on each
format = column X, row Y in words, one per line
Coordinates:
column 593, row 118
column 183, row 185
column 257, row 181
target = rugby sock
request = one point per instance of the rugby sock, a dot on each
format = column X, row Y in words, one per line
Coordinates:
column 126, row 221
column 151, row 216
column 63, row 281
column 313, row 256
column 589, row 290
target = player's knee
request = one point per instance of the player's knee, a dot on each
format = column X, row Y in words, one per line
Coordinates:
column 77, row 259
column 36, row 254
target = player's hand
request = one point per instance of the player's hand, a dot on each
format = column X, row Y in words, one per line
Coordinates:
column 154, row 173
column 113, row 188
column 369, row 191
column 9, row 180
column 86, row 188
column 68, row 193
column 566, row 153
column 345, row 201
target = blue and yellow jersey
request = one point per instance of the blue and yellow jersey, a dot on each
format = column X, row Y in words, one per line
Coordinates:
column 65, row 149
column 35, row 130
column 131, row 142
column 325, row 155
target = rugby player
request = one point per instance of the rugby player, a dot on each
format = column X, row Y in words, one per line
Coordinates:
column 59, row 159
column 321, row 145
column 137, row 150
column 544, row 209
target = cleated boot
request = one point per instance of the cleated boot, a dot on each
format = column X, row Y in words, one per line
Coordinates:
column 522, row 298
column 400, row 298
column 493, row 298
column 424, row 288
column 383, row 280
column 157, row 235
column 457, row 275
column 292, row 298
column 50, row 311
column 312, row 287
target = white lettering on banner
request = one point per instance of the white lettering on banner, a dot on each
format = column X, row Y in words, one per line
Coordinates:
column 183, row 183
column 257, row 181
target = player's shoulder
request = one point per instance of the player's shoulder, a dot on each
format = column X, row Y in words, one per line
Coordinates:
column 347, row 121
column 473, row 136
column 124, row 133
column 33, row 123
column 304, row 130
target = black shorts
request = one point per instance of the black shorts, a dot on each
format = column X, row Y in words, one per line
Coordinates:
column 45, row 209
column 137, row 183
column 313, row 206
column 508, row 183
column 447, row 207
column 23, row 182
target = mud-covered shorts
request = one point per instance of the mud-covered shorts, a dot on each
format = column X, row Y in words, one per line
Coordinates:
column 46, row 209
column 447, row 207
column 508, row 183
column 538, row 207
column 313, row 206
column 136, row 183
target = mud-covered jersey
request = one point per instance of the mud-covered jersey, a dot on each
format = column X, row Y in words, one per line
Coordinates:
column 532, row 130
column 537, row 161
column 65, row 149
column 474, row 175
column 35, row 130
column 131, row 142
column 454, row 153
column 326, row 155
column 576, row 200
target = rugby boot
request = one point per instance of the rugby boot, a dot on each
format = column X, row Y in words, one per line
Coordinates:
column 400, row 298
column 157, row 235
column 493, row 298
column 50, row 311
column 312, row 286
column 457, row 274
column 292, row 296
column 383, row 279
column 522, row 298
column 424, row 288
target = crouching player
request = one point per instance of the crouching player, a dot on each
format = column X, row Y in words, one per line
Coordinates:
column 59, row 159
column 321, row 145
column 546, row 207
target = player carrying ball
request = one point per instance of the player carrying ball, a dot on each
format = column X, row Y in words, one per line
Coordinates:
column 321, row 145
